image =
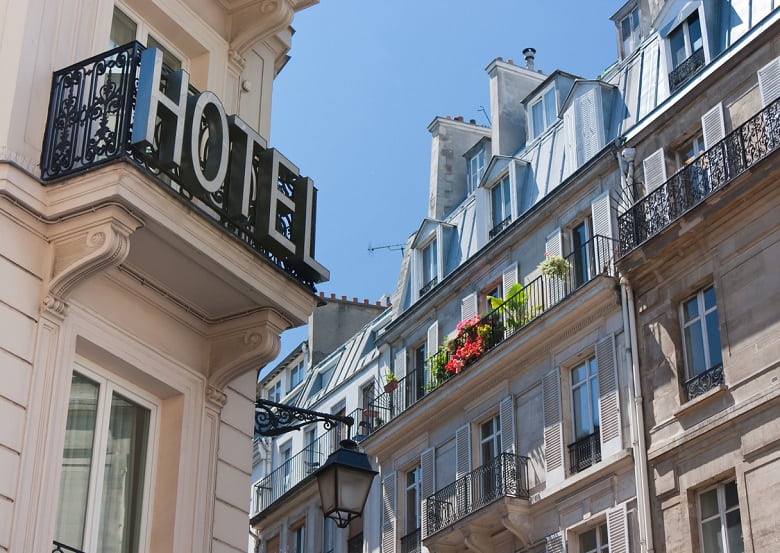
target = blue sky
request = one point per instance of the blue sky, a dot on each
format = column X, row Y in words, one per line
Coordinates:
column 352, row 107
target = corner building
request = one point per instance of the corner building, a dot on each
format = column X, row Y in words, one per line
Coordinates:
column 143, row 286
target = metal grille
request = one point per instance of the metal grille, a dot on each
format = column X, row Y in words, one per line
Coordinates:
column 704, row 382
column 687, row 69
column 428, row 286
column 496, row 230
column 410, row 543
column 506, row 475
column 585, row 452
column 62, row 548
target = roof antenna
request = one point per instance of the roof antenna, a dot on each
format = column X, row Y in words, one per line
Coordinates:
column 391, row 247
column 484, row 111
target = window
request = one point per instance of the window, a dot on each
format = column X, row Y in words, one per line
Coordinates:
column 412, row 496
column 430, row 266
column 594, row 540
column 501, row 205
column 720, row 526
column 629, row 33
column 685, row 39
column 296, row 376
column 312, row 450
column 106, row 458
column 701, row 341
column 489, row 450
column 285, row 454
column 581, row 257
column 275, row 391
column 586, row 450
column 475, row 169
column 415, row 383
column 690, row 150
column 543, row 113
column 299, row 539
column 124, row 29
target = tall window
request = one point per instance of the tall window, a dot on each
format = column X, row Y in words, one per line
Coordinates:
column 701, row 333
column 285, row 454
column 296, row 375
column 412, row 497
column 104, row 466
column 629, row 33
column 580, row 237
column 299, row 539
column 720, row 526
column 124, row 29
column 501, row 204
column 594, row 540
column 430, row 266
column 312, row 450
column 489, row 449
column 685, row 39
column 690, row 150
column 543, row 113
column 475, row 169
column 415, row 386
column 586, row 449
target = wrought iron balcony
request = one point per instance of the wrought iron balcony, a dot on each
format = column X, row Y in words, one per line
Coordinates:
column 499, row 227
column 504, row 476
column 747, row 145
column 428, row 286
column 288, row 475
column 411, row 543
column 585, row 452
column 686, row 70
column 704, row 382
column 539, row 296
column 62, row 548
column 92, row 111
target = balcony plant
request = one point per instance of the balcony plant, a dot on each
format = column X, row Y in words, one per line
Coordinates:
column 391, row 382
column 469, row 344
column 512, row 311
column 554, row 266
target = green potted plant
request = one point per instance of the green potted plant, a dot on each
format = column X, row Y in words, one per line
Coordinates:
column 391, row 382
column 554, row 266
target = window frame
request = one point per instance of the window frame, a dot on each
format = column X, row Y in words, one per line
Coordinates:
column 723, row 511
column 144, row 30
column 296, row 372
column 548, row 116
column 635, row 34
column 275, row 391
column 585, row 250
column 494, row 439
column 684, row 29
column 108, row 385
column 600, row 547
column 475, row 169
column 504, row 184
column 696, row 143
column 415, row 491
column 701, row 316
column 586, row 360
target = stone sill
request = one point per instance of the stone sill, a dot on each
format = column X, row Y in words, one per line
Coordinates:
column 695, row 403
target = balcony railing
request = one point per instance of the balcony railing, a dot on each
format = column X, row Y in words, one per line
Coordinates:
column 585, row 452
column 504, row 476
column 704, row 382
column 90, row 121
column 748, row 144
column 62, row 548
column 299, row 466
column 428, row 286
column 410, row 543
column 687, row 69
column 536, row 298
column 499, row 227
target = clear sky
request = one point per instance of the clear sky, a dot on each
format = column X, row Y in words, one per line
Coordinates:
column 365, row 79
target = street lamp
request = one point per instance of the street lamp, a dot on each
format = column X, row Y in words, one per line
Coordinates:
column 345, row 479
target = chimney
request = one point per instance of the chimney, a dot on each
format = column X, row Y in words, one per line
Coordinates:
column 529, row 54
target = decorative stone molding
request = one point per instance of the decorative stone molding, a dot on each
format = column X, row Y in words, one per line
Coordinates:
column 83, row 246
column 260, row 21
column 215, row 397
column 519, row 522
column 244, row 344
column 479, row 542
column 236, row 60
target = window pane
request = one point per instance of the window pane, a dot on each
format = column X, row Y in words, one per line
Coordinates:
column 581, row 415
column 677, row 45
column 694, row 32
column 709, row 504
column 713, row 339
column 550, row 109
column 537, row 118
column 712, row 536
column 123, row 482
column 694, row 347
column 579, row 374
column 709, row 298
column 732, row 500
column 76, row 462
column 734, row 532
column 603, row 527
column 168, row 58
column 594, row 401
column 123, row 29
column 588, row 541
column 691, row 309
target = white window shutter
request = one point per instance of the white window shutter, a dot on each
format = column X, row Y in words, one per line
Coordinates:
column 399, row 366
column 555, row 543
column 617, row 529
column 713, row 127
column 654, row 167
column 609, row 400
column 508, row 279
column 462, row 451
column 553, row 427
column 588, row 121
column 570, row 141
column 427, row 484
column 555, row 286
column 506, row 411
column 388, row 513
column 468, row 307
column 601, row 211
column 769, row 82
column 432, row 343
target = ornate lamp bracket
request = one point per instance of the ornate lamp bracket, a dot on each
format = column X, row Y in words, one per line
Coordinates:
column 275, row 419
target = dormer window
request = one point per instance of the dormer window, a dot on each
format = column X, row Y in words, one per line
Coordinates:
column 430, row 266
column 501, row 205
column 628, row 27
column 296, row 376
column 475, row 169
column 543, row 112
column 275, row 391
column 686, row 51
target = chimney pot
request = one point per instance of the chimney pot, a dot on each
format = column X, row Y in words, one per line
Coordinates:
column 354, row 300
column 459, row 118
column 322, row 294
column 529, row 54
column 333, row 296
column 343, row 298
column 365, row 300
column 473, row 121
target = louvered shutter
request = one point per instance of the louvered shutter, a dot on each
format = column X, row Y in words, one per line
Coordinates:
column 654, row 167
column 468, row 307
column 769, row 82
column 508, row 279
column 555, row 286
column 397, row 402
column 609, row 401
column 617, row 529
column 588, row 134
column 713, row 127
column 553, row 427
column 432, row 343
column 399, row 366
column 388, row 513
column 507, row 415
column 570, row 142
column 462, row 451
column 555, row 544
column 427, row 485
column 601, row 211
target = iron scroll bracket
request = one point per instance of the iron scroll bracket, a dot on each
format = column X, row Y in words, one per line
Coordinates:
column 275, row 419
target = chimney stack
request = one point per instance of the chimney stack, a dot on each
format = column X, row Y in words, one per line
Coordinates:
column 529, row 58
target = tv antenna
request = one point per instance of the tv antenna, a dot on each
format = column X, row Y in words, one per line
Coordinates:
column 390, row 247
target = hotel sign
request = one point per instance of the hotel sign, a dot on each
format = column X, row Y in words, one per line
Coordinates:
column 218, row 156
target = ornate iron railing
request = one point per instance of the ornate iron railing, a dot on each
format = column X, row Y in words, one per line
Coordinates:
column 506, row 475
column 428, row 286
column 288, row 475
column 62, row 548
column 585, row 452
column 499, row 227
column 704, row 382
column 90, row 120
column 411, row 542
column 536, row 298
column 748, row 144
column 687, row 69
